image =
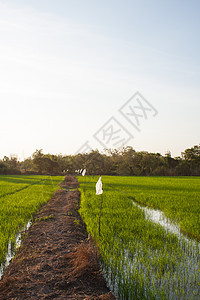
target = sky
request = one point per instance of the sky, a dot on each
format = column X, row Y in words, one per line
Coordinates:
column 81, row 75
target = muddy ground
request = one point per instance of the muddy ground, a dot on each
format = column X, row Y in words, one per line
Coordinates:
column 56, row 259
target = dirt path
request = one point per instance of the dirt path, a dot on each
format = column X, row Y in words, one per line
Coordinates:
column 56, row 260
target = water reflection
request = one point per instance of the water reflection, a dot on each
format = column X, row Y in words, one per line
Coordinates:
column 12, row 248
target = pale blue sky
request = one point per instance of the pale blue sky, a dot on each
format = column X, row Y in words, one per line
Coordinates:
column 67, row 67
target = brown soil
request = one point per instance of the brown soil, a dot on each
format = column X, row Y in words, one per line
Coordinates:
column 56, row 259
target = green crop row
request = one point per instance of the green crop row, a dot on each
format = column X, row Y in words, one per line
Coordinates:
column 21, row 197
column 177, row 197
column 140, row 258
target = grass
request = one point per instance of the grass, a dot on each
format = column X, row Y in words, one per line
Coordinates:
column 20, row 198
column 141, row 260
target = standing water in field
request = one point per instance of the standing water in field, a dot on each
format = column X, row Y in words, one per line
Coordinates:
column 188, row 266
column 12, row 248
column 143, row 254
column 154, row 273
column 159, row 217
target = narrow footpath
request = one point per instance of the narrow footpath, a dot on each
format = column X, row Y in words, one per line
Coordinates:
column 56, row 259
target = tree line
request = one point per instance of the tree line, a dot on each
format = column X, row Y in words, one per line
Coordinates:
column 127, row 162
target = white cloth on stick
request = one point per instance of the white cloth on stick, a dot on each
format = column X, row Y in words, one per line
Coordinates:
column 99, row 190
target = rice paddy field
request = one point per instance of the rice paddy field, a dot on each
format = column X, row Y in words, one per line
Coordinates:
column 20, row 198
column 149, row 234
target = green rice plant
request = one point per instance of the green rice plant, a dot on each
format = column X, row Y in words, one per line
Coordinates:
column 11, row 184
column 21, row 197
column 140, row 258
column 177, row 197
